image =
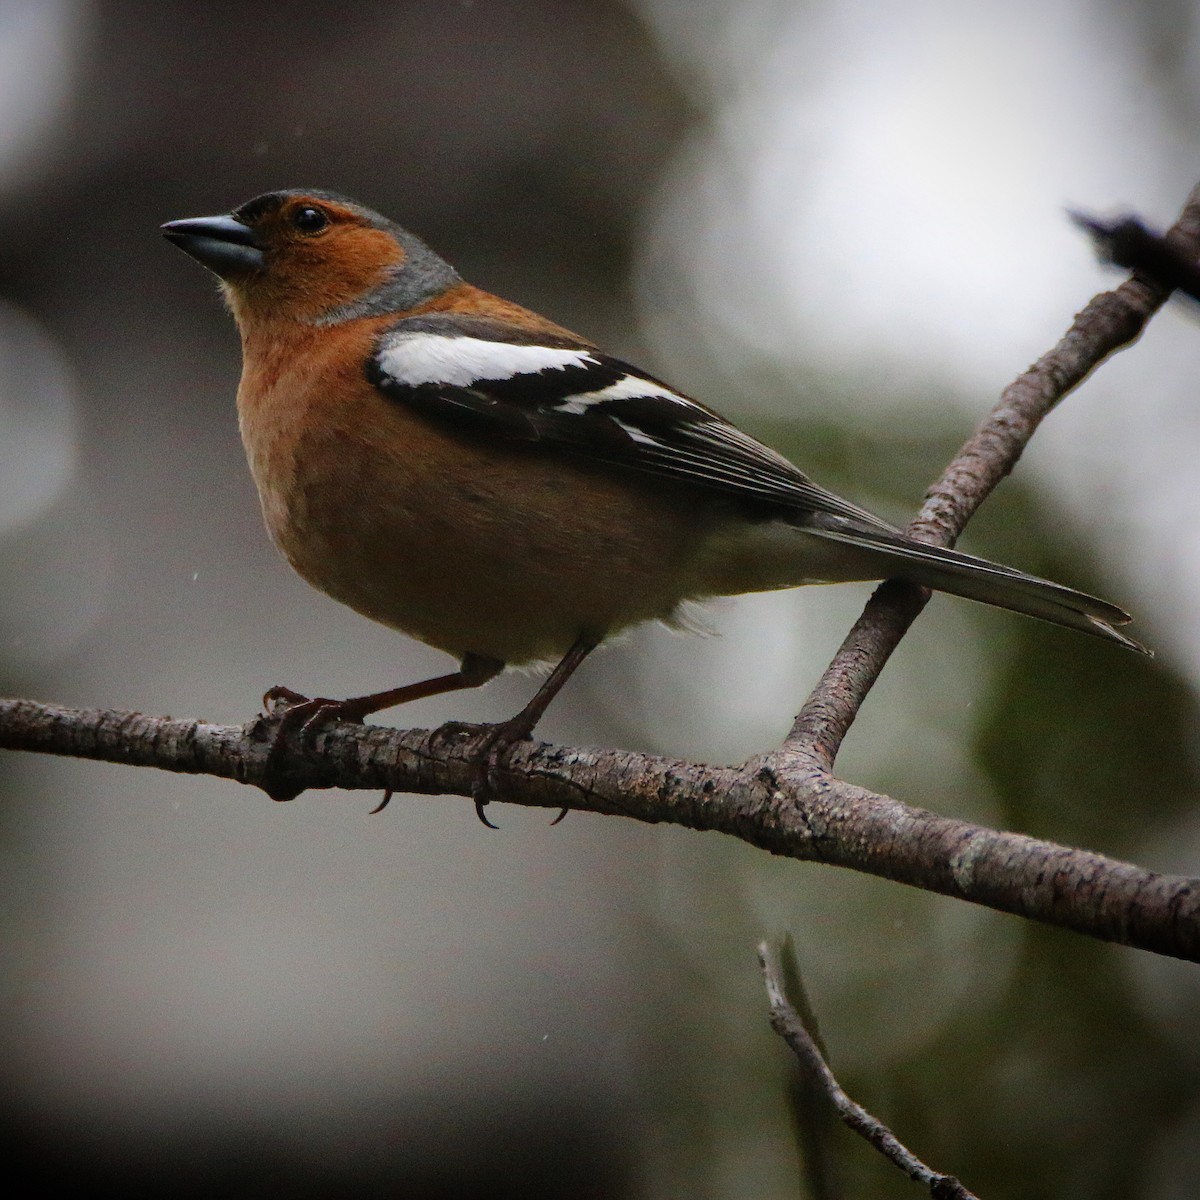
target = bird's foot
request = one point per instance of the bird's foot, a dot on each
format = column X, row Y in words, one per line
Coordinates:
column 308, row 715
column 493, row 743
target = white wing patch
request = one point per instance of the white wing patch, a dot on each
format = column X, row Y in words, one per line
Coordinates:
column 412, row 359
column 628, row 387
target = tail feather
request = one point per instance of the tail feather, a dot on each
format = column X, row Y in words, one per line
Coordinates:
column 978, row 579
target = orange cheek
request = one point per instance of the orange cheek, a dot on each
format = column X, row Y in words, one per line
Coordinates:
column 305, row 279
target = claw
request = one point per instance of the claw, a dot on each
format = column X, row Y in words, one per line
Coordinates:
column 560, row 816
column 482, row 790
column 481, row 815
column 281, row 696
column 382, row 804
column 487, row 760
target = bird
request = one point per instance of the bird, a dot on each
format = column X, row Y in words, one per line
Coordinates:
column 459, row 468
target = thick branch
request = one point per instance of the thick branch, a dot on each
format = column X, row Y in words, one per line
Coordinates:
column 784, row 803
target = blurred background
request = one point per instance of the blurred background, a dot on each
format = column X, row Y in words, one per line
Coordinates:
column 842, row 224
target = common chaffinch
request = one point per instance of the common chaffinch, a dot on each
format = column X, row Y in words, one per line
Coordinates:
column 461, row 469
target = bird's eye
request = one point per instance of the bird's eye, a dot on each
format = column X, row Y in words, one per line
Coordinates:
column 309, row 219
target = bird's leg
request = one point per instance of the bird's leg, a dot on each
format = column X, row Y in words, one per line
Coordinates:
column 499, row 737
column 309, row 715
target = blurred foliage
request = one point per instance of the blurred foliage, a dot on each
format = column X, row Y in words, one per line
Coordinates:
column 1088, row 747
column 527, row 142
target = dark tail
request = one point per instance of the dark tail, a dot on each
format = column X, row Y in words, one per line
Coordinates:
column 989, row 582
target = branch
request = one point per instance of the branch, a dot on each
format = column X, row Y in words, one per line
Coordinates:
column 1110, row 322
column 787, row 1023
column 781, row 802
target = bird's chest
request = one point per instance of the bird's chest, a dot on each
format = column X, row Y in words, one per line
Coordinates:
column 328, row 453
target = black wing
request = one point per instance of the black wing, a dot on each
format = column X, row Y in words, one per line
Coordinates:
column 492, row 380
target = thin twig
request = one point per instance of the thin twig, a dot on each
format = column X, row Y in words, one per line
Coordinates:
column 1128, row 242
column 814, row 1117
column 787, row 1023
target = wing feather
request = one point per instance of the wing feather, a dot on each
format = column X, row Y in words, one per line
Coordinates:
column 493, row 380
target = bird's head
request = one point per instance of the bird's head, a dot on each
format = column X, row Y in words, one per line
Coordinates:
column 312, row 256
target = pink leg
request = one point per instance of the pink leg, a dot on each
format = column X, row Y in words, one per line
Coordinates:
column 309, row 715
column 516, row 729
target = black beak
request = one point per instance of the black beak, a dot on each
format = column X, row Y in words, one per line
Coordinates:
column 225, row 246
